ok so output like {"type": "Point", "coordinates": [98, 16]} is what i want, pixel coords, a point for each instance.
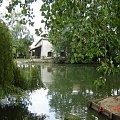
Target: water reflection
{"type": "Point", "coordinates": [67, 90]}
{"type": "Point", "coordinates": [40, 103]}
{"type": "Point", "coordinates": [18, 111]}
{"type": "Point", "coordinates": [71, 86]}
{"type": "Point", "coordinates": [14, 104]}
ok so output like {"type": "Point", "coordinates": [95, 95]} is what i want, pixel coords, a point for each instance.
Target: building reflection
{"type": "Point", "coordinates": [69, 89]}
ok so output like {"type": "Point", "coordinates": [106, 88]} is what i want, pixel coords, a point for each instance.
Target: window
{"type": "Point", "coordinates": [49, 54]}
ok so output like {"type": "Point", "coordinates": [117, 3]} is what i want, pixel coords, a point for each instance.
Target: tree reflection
{"type": "Point", "coordinates": [69, 78]}
{"type": "Point", "coordinates": [18, 112]}
{"type": "Point", "coordinates": [13, 105]}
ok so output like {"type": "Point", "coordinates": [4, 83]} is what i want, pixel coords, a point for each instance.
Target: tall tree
{"type": "Point", "coordinates": [6, 60]}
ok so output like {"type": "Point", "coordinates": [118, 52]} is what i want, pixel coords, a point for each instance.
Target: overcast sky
{"type": "Point", "coordinates": [37, 20]}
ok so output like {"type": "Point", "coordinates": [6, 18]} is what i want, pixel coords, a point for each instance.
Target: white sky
{"type": "Point", "coordinates": [37, 20]}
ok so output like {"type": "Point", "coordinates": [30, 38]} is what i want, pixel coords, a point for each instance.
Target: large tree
{"type": "Point", "coordinates": [88, 30]}
{"type": "Point", "coordinates": [6, 60]}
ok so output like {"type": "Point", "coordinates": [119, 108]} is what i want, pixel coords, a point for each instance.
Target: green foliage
{"type": "Point", "coordinates": [22, 39]}
{"type": "Point", "coordinates": [6, 60]}
{"type": "Point", "coordinates": [106, 69]}
{"type": "Point", "coordinates": [38, 31]}
{"type": "Point", "coordinates": [35, 78]}
{"type": "Point", "coordinates": [7, 90]}
{"type": "Point", "coordinates": [100, 82]}
{"type": "Point", "coordinates": [12, 79]}
{"type": "Point", "coordinates": [19, 78]}
{"type": "Point", "coordinates": [25, 8]}
{"type": "Point", "coordinates": [27, 78]}
{"type": "Point", "coordinates": [21, 47]}
{"type": "Point", "coordinates": [8, 71]}
{"type": "Point", "coordinates": [87, 30]}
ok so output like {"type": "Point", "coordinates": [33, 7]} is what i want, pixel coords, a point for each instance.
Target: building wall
{"type": "Point", "coordinates": [41, 49]}
{"type": "Point", "coordinates": [46, 47]}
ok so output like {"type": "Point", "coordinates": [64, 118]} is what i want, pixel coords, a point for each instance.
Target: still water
{"type": "Point", "coordinates": [67, 88]}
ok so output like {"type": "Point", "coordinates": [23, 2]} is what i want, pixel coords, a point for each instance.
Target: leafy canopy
{"type": "Point", "coordinates": [87, 30]}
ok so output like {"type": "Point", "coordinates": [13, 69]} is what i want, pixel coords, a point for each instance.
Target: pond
{"type": "Point", "coordinates": [67, 88]}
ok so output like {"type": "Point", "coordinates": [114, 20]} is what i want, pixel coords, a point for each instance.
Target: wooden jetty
{"type": "Point", "coordinates": [109, 106]}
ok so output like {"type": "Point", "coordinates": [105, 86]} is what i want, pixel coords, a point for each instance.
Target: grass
{"type": "Point", "coordinates": [22, 59]}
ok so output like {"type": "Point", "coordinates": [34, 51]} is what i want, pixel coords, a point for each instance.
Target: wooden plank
{"type": "Point", "coordinates": [95, 106]}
